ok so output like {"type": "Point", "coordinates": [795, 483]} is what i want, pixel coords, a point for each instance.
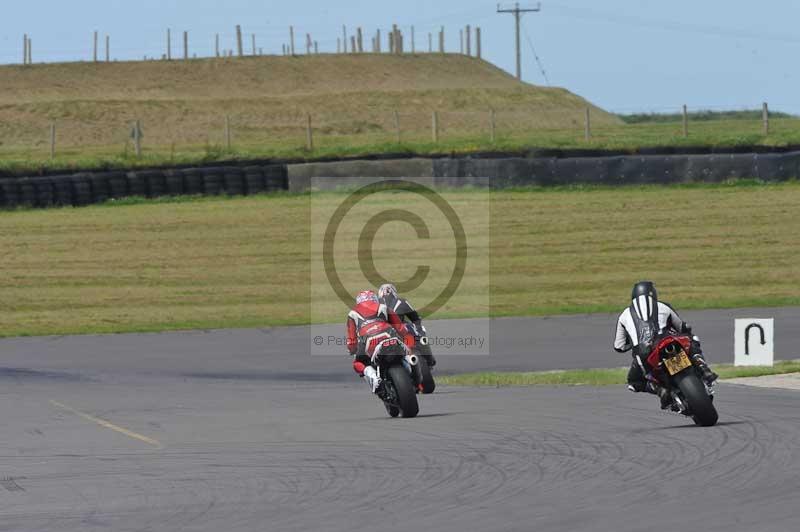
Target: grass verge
{"type": "Point", "coordinates": [211, 262]}
{"type": "Point", "coordinates": [597, 377]}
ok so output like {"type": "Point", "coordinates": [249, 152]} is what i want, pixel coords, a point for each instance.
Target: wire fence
{"type": "Point", "coordinates": [163, 132]}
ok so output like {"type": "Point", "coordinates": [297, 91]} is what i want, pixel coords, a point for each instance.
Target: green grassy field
{"type": "Point", "coordinates": [598, 377]}
{"type": "Point", "coordinates": [246, 261]}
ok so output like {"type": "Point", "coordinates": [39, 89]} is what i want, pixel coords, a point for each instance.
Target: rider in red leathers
{"type": "Point", "coordinates": [369, 308]}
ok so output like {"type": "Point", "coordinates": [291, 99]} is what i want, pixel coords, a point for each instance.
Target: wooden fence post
{"type": "Point", "coordinates": [25, 49]}
{"type": "Point", "coordinates": [441, 41]}
{"type": "Point", "coordinates": [413, 41]}
{"type": "Point", "coordinates": [309, 134]}
{"type": "Point", "coordinates": [239, 45]}
{"type": "Point", "coordinates": [308, 44]}
{"type": "Point", "coordinates": [435, 126]}
{"type": "Point", "coordinates": [108, 48]}
{"type": "Point", "coordinates": [397, 125]}
{"type": "Point", "coordinates": [94, 57]}
{"type": "Point", "coordinates": [378, 41]}
{"type": "Point", "coordinates": [360, 41]}
{"type": "Point", "coordinates": [169, 44]}
{"type": "Point", "coordinates": [53, 140]}
{"type": "Point", "coordinates": [765, 118]}
{"type": "Point", "coordinates": [30, 51]}
{"type": "Point", "coordinates": [216, 44]}
{"type": "Point", "coordinates": [391, 42]}
{"type": "Point", "coordinates": [478, 51]}
{"type": "Point", "coordinates": [185, 45]}
{"type": "Point", "coordinates": [493, 126]}
{"type": "Point", "coordinates": [228, 132]}
{"type": "Point", "coordinates": [291, 41]}
{"type": "Point", "coordinates": [469, 39]}
{"type": "Point", "coordinates": [587, 133]}
{"type": "Point", "coordinates": [685, 122]}
{"type": "Point", "coordinates": [137, 138]}
{"type": "Point", "coordinates": [430, 43]}
{"type": "Point", "coordinates": [255, 50]}
{"type": "Point", "coordinates": [352, 44]}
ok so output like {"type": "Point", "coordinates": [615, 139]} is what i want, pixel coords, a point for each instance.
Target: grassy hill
{"type": "Point", "coordinates": [352, 100]}
{"type": "Point", "coordinates": [267, 99]}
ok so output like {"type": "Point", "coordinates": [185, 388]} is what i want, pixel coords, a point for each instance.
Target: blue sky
{"type": "Point", "coordinates": [643, 55]}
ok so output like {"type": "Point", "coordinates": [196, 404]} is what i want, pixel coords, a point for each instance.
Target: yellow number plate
{"type": "Point", "coordinates": [677, 363]}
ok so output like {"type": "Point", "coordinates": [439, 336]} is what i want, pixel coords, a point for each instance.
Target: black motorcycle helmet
{"type": "Point", "coordinates": [644, 300]}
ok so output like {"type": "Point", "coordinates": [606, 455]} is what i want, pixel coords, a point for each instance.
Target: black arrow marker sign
{"type": "Point", "coordinates": [747, 336]}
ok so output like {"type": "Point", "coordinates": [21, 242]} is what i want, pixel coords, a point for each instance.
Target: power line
{"type": "Point", "coordinates": [538, 61]}
{"type": "Point", "coordinates": [518, 12]}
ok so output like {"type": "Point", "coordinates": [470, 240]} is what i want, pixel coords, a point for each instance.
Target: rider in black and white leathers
{"type": "Point", "coordinates": [638, 328]}
{"type": "Point", "coordinates": [389, 296]}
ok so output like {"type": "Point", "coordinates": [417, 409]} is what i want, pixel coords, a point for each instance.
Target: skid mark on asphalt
{"type": "Point", "coordinates": [109, 425]}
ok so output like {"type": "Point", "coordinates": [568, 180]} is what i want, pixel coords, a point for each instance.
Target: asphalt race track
{"type": "Point", "coordinates": [244, 430]}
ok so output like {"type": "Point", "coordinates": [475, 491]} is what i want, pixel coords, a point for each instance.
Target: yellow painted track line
{"type": "Point", "coordinates": [108, 425]}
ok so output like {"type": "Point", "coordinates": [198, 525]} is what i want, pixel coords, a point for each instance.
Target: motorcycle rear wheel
{"type": "Point", "coordinates": [406, 394]}
{"type": "Point", "coordinates": [393, 411]}
{"type": "Point", "coordinates": [694, 391]}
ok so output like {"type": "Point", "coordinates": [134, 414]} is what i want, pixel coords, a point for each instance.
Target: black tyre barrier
{"type": "Point", "coordinates": [192, 181]}
{"type": "Point", "coordinates": [44, 190]}
{"type": "Point", "coordinates": [137, 184]}
{"type": "Point", "coordinates": [81, 190]}
{"type": "Point", "coordinates": [118, 185]}
{"type": "Point", "coordinates": [101, 190]}
{"type": "Point", "coordinates": [154, 182]}
{"type": "Point", "coordinates": [254, 179]}
{"type": "Point", "coordinates": [9, 192]}
{"type": "Point", "coordinates": [234, 182]}
{"type": "Point", "coordinates": [85, 188]}
{"type": "Point", "coordinates": [27, 193]}
{"type": "Point", "coordinates": [213, 179]}
{"type": "Point", "coordinates": [62, 192]}
{"type": "Point", "coordinates": [173, 180]}
{"type": "Point", "coordinates": [276, 177]}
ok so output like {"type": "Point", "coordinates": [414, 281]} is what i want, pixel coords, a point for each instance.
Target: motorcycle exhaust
{"type": "Point", "coordinates": [412, 360]}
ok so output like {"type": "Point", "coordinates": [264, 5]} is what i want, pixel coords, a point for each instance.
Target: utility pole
{"type": "Point", "coordinates": [518, 12]}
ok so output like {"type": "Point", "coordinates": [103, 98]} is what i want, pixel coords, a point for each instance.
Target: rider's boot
{"type": "Point", "coordinates": [664, 394]}
{"type": "Point", "coordinates": [705, 372]}
{"type": "Point", "coordinates": [374, 381]}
